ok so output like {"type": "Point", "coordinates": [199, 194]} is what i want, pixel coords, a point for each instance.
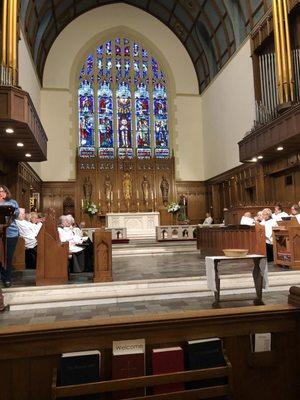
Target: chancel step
{"type": "Point", "coordinates": [138, 290]}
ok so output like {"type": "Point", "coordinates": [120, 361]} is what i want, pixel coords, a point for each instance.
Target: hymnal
{"type": "Point", "coordinates": [80, 367]}
{"type": "Point", "coordinates": [202, 354]}
{"type": "Point", "coordinates": [128, 361]}
{"type": "Point", "coordinates": [164, 361]}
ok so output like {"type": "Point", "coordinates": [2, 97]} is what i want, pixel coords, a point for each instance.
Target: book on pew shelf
{"type": "Point", "coordinates": [204, 354]}
{"type": "Point", "coordinates": [128, 361]}
{"type": "Point", "coordinates": [165, 361]}
{"type": "Point", "coordinates": [80, 367]}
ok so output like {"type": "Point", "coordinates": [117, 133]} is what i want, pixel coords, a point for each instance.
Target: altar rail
{"type": "Point", "coordinates": [176, 232]}
{"type": "Point", "coordinates": [29, 353]}
{"type": "Point", "coordinates": [214, 239]}
{"type": "Point", "coordinates": [116, 233]}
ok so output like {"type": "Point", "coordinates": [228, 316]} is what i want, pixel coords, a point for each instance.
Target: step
{"type": "Point", "coordinates": [139, 290]}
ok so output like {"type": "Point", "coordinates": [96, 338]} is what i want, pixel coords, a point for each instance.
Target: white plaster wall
{"type": "Point", "coordinates": [55, 111]}
{"type": "Point", "coordinates": [58, 110]}
{"type": "Point", "coordinates": [228, 112]}
{"type": "Point", "coordinates": [188, 138]}
{"type": "Point", "coordinates": [28, 80]}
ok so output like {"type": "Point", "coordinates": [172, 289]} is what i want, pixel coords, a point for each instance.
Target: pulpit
{"type": "Point", "coordinates": [286, 243]}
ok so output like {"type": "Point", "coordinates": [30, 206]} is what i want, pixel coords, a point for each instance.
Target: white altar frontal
{"type": "Point", "coordinates": [138, 224]}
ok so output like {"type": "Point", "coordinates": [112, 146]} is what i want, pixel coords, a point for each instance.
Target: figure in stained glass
{"type": "Point", "coordinates": [130, 86]}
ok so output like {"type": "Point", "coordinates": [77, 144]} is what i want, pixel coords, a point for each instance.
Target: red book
{"type": "Point", "coordinates": [128, 361]}
{"type": "Point", "coordinates": [165, 361]}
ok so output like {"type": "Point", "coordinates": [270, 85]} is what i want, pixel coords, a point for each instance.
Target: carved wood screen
{"type": "Point", "coordinates": [124, 185]}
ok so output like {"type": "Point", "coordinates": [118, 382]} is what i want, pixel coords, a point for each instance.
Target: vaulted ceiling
{"type": "Point", "coordinates": [211, 30]}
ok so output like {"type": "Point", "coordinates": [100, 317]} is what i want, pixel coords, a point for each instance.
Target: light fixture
{"type": "Point", "coordinates": [20, 144]}
{"type": "Point", "coordinates": [28, 155]}
{"type": "Point", "coordinates": [279, 148]}
{"type": "Point", "coordinates": [9, 130]}
{"type": "Point", "coordinates": [260, 157]}
{"type": "Point", "coordinates": [254, 159]}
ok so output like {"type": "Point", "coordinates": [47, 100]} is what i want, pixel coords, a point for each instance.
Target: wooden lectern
{"type": "Point", "coordinates": [286, 243]}
{"type": "Point", "coordinates": [102, 243]}
{"type": "Point", "coordinates": [52, 255]}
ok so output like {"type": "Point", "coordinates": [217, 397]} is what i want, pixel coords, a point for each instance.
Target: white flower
{"type": "Point", "coordinates": [173, 208]}
{"type": "Point", "coordinates": [91, 209]}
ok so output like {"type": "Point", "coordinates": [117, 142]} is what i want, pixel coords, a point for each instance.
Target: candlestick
{"type": "Point", "coordinates": [99, 195]}
{"type": "Point", "coordinates": [118, 194]}
{"type": "Point", "coordinates": [152, 196]}
{"type": "Point", "coordinates": [82, 203]}
{"type": "Point", "coordinates": [137, 194]}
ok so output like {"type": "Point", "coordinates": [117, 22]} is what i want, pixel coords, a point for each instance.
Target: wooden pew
{"type": "Point", "coordinates": [102, 243]}
{"type": "Point", "coordinates": [286, 244]}
{"type": "Point", "coordinates": [212, 240]}
{"type": "Point", "coordinates": [29, 353]}
{"type": "Point", "coordinates": [52, 255]}
{"type": "Point", "coordinates": [19, 255]}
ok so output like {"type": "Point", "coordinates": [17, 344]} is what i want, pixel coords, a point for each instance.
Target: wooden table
{"type": "Point", "coordinates": [260, 275]}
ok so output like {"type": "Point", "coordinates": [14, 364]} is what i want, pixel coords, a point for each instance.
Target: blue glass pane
{"type": "Point", "coordinates": [160, 116]}
{"type": "Point", "coordinates": [105, 116]}
{"type": "Point", "coordinates": [142, 111]}
{"type": "Point", "coordinates": [86, 114]}
{"type": "Point", "coordinates": [124, 115]}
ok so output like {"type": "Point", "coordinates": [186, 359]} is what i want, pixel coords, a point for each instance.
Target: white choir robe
{"type": "Point", "coordinates": [247, 221]}
{"type": "Point", "coordinates": [269, 224]}
{"type": "Point", "coordinates": [28, 232]}
{"type": "Point", "coordinates": [278, 217]}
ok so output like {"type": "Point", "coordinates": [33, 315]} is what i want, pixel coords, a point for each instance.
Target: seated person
{"type": "Point", "coordinates": [85, 242]}
{"type": "Point", "coordinates": [66, 234]}
{"type": "Point", "coordinates": [268, 223]}
{"type": "Point", "coordinates": [208, 219]}
{"type": "Point", "coordinates": [279, 213]}
{"type": "Point", "coordinates": [295, 212]}
{"type": "Point", "coordinates": [247, 219]}
{"type": "Point", "coordinates": [258, 217]}
{"type": "Point", "coordinates": [29, 232]}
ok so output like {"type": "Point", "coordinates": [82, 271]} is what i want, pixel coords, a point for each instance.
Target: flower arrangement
{"type": "Point", "coordinates": [90, 208]}
{"type": "Point", "coordinates": [173, 208]}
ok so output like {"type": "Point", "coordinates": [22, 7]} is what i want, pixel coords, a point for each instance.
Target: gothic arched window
{"type": "Point", "coordinates": [123, 103]}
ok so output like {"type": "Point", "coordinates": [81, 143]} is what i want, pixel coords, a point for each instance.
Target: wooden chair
{"type": "Point", "coordinates": [52, 255]}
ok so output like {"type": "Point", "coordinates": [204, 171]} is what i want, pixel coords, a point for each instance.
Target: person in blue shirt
{"type": "Point", "coordinates": [12, 234]}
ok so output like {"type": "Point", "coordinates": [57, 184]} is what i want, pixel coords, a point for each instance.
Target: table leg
{"type": "Point", "coordinates": [216, 303]}
{"type": "Point", "coordinates": [258, 282]}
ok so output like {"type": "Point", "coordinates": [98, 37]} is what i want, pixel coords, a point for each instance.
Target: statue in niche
{"type": "Point", "coordinates": [127, 188]}
{"type": "Point", "coordinates": [87, 189]}
{"type": "Point", "coordinates": [145, 189]}
{"type": "Point", "coordinates": [108, 189]}
{"type": "Point", "coordinates": [164, 187]}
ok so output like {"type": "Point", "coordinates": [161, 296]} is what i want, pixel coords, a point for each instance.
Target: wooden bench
{"type": "Point", "coordinates": [52, 255]}
{"type": "Point", "coordinates": [212, 240]}
{"type": "Point", "coordinates": [19, 255]}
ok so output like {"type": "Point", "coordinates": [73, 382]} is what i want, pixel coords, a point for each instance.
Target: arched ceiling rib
{"type": "Point", "coordinates": [211, 30]}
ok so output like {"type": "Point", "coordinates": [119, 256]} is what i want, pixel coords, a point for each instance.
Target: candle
{"type": "Point", "coordinates": [111, 196]}
{"type": "Point", "coordinates": [81, 203]}
{"type": "Point", "coordinates": [137, 194]}
{"type": "Point", "coordinates": [118, 194]}
{"type": "Point", "coordinates": [99, 195]}
{"type": "Point", "coordinates": [152, 197]}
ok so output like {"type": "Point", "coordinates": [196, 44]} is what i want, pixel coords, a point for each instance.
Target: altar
{"type": "Point", "coordinates": [138, 224]}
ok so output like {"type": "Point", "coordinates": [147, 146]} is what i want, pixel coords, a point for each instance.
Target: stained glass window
{"type": "Point", "coordinates": [123, 103]}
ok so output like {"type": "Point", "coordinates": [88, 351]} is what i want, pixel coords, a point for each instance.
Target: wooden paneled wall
{"type": "Point", "coordinates": [195, 192]}
{"type": "Point", "coordinates": [60, 196]}
{"type": "Point", "coordinates": [21, 180]}
{"type": "Point", "coordinates": [256, 184]}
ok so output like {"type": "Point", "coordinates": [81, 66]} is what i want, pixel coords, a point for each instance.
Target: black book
{"type": "Point", "coordinates": [203, 354]}
{"type": "Point", "coordinates": [80, 367]}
